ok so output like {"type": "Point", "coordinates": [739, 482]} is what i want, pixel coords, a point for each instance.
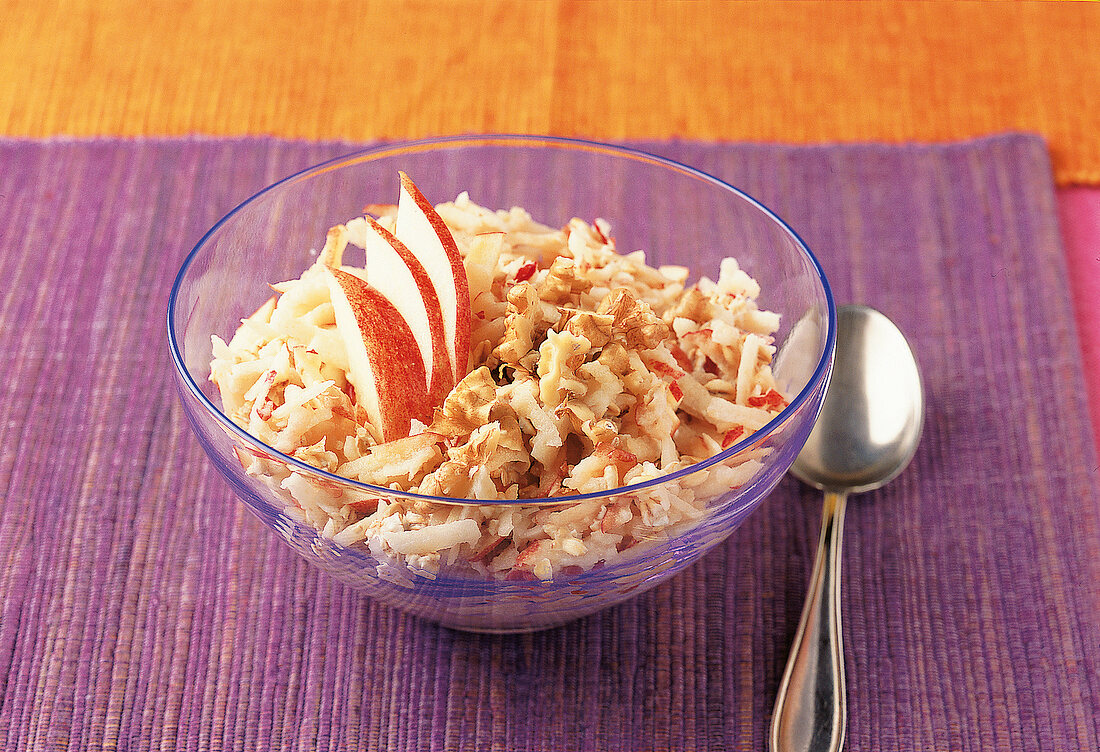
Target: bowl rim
{"type": "Point", "coordinates": [388, 149]}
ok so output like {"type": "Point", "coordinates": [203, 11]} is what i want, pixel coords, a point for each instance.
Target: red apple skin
{"type": "Point", "coordinates": [442, 377]}
{"type": "Point", "coordinates": [458, 269]}
{"type": "Point", "coordinates": [394, 357]}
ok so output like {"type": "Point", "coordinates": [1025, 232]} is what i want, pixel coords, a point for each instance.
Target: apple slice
{"type": "Point", "coordinates": [384, 362]}
{"type": "Point", "coordinates": [396, 273]}
{"type": "Point", "coordinates": [424, 233]}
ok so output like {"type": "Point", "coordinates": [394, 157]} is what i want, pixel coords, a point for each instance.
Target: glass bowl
{"type": "Point", "coordinates": [677, 214]}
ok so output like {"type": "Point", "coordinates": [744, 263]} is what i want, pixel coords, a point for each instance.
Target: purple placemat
{"type": "Point", "coordinates": [141, 607]}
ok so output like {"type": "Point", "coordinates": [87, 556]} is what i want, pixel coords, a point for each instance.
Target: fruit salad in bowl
{"type": "Point", "coordinates": [492, 419]}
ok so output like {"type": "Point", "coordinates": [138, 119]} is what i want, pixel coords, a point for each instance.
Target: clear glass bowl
{"type": "Point", "coordinates": [675, 213]}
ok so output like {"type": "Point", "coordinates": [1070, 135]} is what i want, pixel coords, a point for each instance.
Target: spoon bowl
{"type": "Point", "coordinates": [873, 415]}
{"type": "Point", "coordinates": [867, 433]}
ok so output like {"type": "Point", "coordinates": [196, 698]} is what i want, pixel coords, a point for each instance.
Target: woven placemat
{"type": "Point", "coordinates": [142, 607]}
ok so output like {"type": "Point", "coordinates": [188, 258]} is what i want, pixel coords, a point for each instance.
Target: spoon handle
{"type": "Point", "coordinates": [811, 710]}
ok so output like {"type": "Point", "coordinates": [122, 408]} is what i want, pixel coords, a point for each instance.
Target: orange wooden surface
{"type": "Point", "coordinates": [796, 72]}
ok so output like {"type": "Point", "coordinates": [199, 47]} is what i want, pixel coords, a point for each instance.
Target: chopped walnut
{"type": "Point", "coordinates": [560, 355]}
{"type": "Point", "coordinates": [468, 405]}
{"type": "Point", "coordinates": [693, 305]}
{"type": "Point", "coordinates": [562, 284]}
{"type": "Point", "coordinates": [519, 324]}
{"type": "Point", "coordinates": [594, 327]}
{"type": "Point", "coordinates": [634, 320]}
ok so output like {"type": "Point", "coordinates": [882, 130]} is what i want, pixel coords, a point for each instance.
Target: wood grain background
{"type": "Point", "coordinates": [758, 71]}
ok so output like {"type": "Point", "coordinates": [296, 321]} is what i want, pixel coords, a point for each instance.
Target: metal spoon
{"type": "Point", "coordinates": [868, 430]}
